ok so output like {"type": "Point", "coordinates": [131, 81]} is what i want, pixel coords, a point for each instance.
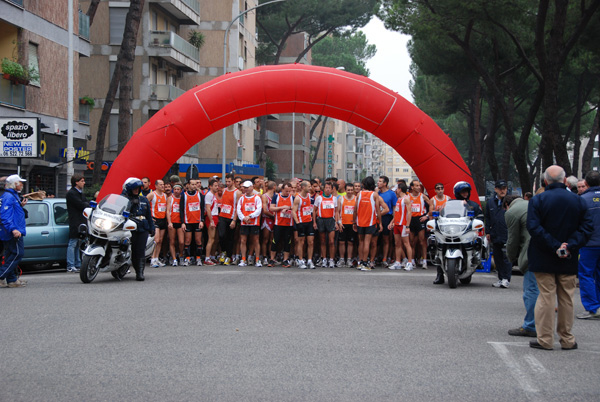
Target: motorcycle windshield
{"type": "Point", "coordinates": [114, 204]}
{"type": "Point", "coordinates": [454, 209]}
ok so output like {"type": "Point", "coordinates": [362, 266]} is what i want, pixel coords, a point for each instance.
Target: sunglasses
{"type": "Point", "coordinates": [439, 188]}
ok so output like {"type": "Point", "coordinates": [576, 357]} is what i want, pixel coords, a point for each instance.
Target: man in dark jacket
{"type": "Point", "coordinates": [589, 258]}
{"type": "Point", "coordinates": [497, 234]}
{"type": "Point", "coordinates": [76, 203]}
{"type": "Point", "coordinates": [559, 225]}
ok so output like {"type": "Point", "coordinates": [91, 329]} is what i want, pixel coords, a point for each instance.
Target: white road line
{"type": "Point", "coordinates": [516, 371]}
{"type": "Point", "coordinates": [535, 364]}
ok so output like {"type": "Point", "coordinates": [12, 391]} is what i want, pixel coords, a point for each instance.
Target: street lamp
{"type": "Point", "coordinates": [225, 68]}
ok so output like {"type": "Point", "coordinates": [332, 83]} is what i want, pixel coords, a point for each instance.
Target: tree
{"type": "Point", "coordinates": [348, 50]}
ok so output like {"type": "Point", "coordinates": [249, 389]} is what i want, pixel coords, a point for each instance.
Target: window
{"type": "Point", "coordinates": [117, 17]}
{"type": "Point", "coordinates": [34, 63]}
{"type": "Point", "coordinates": [405, 170]}
{"type": "Point", "coordinates": [37, 214]}
{"type": "Point", "coordinates": [61, 217]}
{"type": "Point", "coordinates": [153, 74]}
{"type": "Point", "coordinates": [397, 170]}
{"type": "Point", "coordinates": [113, 135]}
{"type": "Point", "coordinates": [154, 22]}
{"type": "Point", "coordinates": [112, 66]}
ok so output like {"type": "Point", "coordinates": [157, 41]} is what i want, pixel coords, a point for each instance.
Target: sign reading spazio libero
{"type": "Point", "coordinates": [19, 137]}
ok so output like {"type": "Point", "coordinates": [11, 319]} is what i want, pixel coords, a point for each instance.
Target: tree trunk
{"type": "Point", "coordinates": [262, 136]}
{"type": "Point", "coordinates": [92, 10]}
{"type": "Point", "coordinates": [490, 140]}
{"type": "Point", "coordinates": [588, 152]}
{"type": "Point", "coordinates": [125, 57]}
{"type": "Point", "coordinates": [314, 158]}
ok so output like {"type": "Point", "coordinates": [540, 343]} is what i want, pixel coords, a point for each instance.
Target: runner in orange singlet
{"type": "Point", "coordinates": [158, 204]}
{"type": "Point", "coordinates": [302, 213]}
{"type": "Point", "coordinates": [227, 219]}
{"type": "Point", "coordinates": [345, 225]}
{"type": "Point", "coordinates": [367, 218]}
{"type": "Point", "coordinates": [249, 210]}
{"type": "Point", "coordinates": [268, 220]}
{"type": "Point", "coordinates": [400, 225]}
{"type": "Point", "coordinates": [281, 206]}
{"type": "Point", "coordinates": [211, 205]}
{"type": "Point", "coordinates": [192, 210]}
{"type": "Point", "coordinates": [324, 213]}
{"type": "Point", "coordinates": [419, 219]}
{"type": "Point", "coordinates": [174, 224]}
{"type": "Point", "coordinates": [439, 201]}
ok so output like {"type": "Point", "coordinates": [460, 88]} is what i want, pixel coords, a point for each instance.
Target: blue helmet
{"type": "Point", "coordinates": [131, 184]}
{"type": "Point", "coordinates": [459, 187]}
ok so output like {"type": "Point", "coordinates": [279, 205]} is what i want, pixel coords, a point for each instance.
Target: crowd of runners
{"type": "Point", "coordinates": [295, 223]}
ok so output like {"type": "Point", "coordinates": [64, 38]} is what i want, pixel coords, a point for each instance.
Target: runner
{"type": "Point", "coordinates": [249, 210]}
{"type": "Point", "coordinates": [439, 201]}
{"type": "Point", "coordinates": [324, 213]}
{"type": "Point", "coordinates": [281, 206]}
{"type": "Point", "coordinates": [347, 204]}
{"type": "Point", "coordinates": [211, 204]}
{"type": "Point", "coordinates": [192, 210]}
{"type": "Point", "coordinates": [400, 226]}
{"type": "Point", "coordinates": [419, 220]}
{"type": "Point", "coordinates": [369, 208]}
{"type": "Point", "coordinates": [158, 203]}
{"type": "Point", "coordinates": [174, 224]}
{"type": "Point", "coordinates": [227, 220]}
{"type": "Point", "coordinates": [145, 187]}
{"type": "Point", "coordinates": [390, 199]}
{"type": "Point", "coordinates": [268, 221]}
{"type": "Point", "coordinates": [303, 213]}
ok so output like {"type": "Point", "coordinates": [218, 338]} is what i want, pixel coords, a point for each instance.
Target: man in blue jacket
{"type": "Point", "coordinates": [12, 231]}
{"type": "Point", "coordinates": [559, 225]}
{"type": "Point", "coordinates": [589, 256]}
{"type": "Point", "coordinates": [497, 234]}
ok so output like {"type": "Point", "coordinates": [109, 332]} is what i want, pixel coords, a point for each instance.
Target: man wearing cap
{"type": "Point", "coordinates": [249, 210]}
{"type": "Point", "coordinates": [12, 231]}
{"type": "Point", "coordinates": [76, 203]}
{"type": "Point", "coordinates": [497, 233]}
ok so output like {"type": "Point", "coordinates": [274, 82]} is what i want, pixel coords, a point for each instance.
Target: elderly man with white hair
{"type": "Point", "coordinates": [12, 231]}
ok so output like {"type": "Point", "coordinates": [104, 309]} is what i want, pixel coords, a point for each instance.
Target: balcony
{"type": "Point", "coordinates": [187, 12]}
{"type": "Point", "coordinates": [84, 26]}
{"type": "Point", "coordinates": [174, 49]}
{"type": "Point", "coordinates": [17, 2]}
{"type": "Point", "coordinates": [165, 92]}
{"type": "Point", "coordinates": [84, 113]}
{"type": "Point", "coordinates": [11, 94]}
{"type": "Point", "coordinates": [271, 140]}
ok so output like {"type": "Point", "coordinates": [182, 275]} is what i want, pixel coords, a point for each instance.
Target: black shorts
{"type": "Point", "coordinates": [416, 225]}
{"type": "Point", "coordinates": [249, 230]}
{"type": "Point", "coordinates": [305, 229]}
{"type": "Point", "coordinates": [385, 220]}
{"type": "Point", "coordinates": [176, 225]}
{"type": "Point", "coordinates": [192, 227]}
{"type": "Point", "coordinates": [325, 225]}
{"type": "Point", "coordinates": [161, 223]}
{"type": "Point", "coordinates": [368, 230]}
{"type": "Point", "coordinates": [282, 235]}
{"type": "Point", "coordinates": [348, 234]}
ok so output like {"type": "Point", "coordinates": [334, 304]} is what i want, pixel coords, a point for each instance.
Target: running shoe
{"type": "Point", "coordinates": [301, 264]}
{"type": "Point", "coordinates": [310, 264]}
{"type": "Point", "coordinates": [209, 262]}
{"type": "Point", "coordinates": [258, 263]}
{"type": "Point", "coordinates": [340, 263]}
{"type": "Point", "coordinates": [242, 264]}
{"type": "Point", "coordinates": [227, 261]}
{"type": "Point", "coordinates": [409, 266]}
{"type": "Point", "coordinates": [331, 263]}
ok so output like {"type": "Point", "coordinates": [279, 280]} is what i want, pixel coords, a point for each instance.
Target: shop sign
{"type": "Point", "coordinates": [19, 137]}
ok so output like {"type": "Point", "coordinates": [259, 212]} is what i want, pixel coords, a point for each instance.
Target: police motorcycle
{"type": "Point", "coordinates": [108, 235]}
{"type": "Point", "coordinates": [457, 243]}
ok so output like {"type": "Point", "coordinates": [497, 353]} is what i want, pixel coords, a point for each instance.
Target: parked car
{"type": "Point", "coordinates": [47, 234]}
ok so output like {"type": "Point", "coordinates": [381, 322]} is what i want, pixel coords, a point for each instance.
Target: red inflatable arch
{"type": "Point", "coordinates": [231, 98]}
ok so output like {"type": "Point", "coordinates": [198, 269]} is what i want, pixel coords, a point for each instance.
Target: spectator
{"type": "Point", "coordinates": [516, 250]}
{"type": "Point", "coordinates": [495, 227]}
{"type": "Point", "coordinates": [559, 226]}
{"type": "Point", "coordinates": [582, 186]}
{"type": "Point", "coordinates": [50, 194]}
{"type": "Point", "coordinates": [527, 196]}
{"type": "Point", "coordinates": [572, 184]}
{"type": "Point", "coordinates": [12, 231]}
{"type": "Point", "coordinates": [589, 259]}
{"type": "Point", "coordinates": [76, 203]}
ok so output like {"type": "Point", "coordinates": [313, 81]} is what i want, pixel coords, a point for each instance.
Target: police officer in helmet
{"type": "Point", "coordinates": [140, 213]}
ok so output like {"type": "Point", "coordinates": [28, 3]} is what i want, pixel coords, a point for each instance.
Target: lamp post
{"type": "Point", "coordinates": [225, 70]}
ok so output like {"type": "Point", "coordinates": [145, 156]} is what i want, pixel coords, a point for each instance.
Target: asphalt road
{"type": "Point", "coordinates": [276, 334]}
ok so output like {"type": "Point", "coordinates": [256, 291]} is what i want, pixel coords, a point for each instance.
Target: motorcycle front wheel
{"type": "Point", "coordinates": [451, 271]}
{"type": "Point", "coordinates": [89, 268]}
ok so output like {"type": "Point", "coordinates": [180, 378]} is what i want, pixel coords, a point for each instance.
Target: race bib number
{"type": "Point", "coordinates": [416, 208]}
{"type": "Point", "coordinates": [348, 209]}
{"type": "Point", "coordinates": [194, 206]}
{"type": "Point", "coordinates": [226, 209]}
{"type": "Point", "coordinates": [162, 207]}
{"type": "Point", "coordinates": [175, 207]}
{"type": "Point", "coordinates": [250, 207]}
{"type": "Point", "coordinates": [397, 208]}
{"type": "Point", "coordinates": [307, 211]}
{"type": "Point", "coordinates": [286, 214]}
{"type": "Point", "coordinates": [328, 205]}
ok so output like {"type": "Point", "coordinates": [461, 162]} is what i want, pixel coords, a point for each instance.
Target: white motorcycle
{"type": "Point", "coordinates": [457, 243]}
{"type": "Point", "coordinates": [108, 247]}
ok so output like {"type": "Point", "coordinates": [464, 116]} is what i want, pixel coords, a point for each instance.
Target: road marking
{"type": "Point", "coordinates": [535, 364]}
{"type": "Point", "coordinates": [516, 371]}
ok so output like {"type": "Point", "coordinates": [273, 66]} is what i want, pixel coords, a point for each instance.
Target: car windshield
{"type": "Point", "coordinates": [454, 209]}
{"type": "Point", "coordinates": [114, 204]}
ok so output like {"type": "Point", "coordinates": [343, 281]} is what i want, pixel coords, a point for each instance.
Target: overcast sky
{"type": "Point", "coordinates": [390, 66]}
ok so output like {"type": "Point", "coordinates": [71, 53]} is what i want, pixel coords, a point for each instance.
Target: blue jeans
{"type": "Point", "coordinates": [14, 250]}
{"type": "Point", "coordinates": [530, 295]}
{"type": "Point", "coordinates": [589, 278]}
{"type": "Point", "coordinates": [73, 254]}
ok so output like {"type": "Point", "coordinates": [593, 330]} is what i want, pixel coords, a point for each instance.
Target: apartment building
{"type": "Point", "coordinates": [34, 35]}
{"type": "Point", "coordinates": [394, 166]}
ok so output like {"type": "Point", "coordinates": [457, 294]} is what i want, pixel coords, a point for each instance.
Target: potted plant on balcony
{"type": "Point", "coordinates": [86, 100]}
{"type": "Point", "coordinates": [196, 39]}
{"type": "Point", "coordinates": [18, 74]}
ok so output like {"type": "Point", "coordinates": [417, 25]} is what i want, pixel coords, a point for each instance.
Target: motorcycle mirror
{"type": "Point", "coordinates": [471, 213]}
{"type": "Point", "coordinates": [93, 204]}
{"type": "Point", "coordinates": [431, 225]}
{"type": "Point", "coordinates": [435, 214]}
{"type": "Point", "coordinates": [126, 214]}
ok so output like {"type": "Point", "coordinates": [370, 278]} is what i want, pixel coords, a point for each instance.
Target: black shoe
{"type": "Point", "coordinates": [522, 332]}
{"type": "Point", "coordinates": [439, 279]}
{"type": "Point", "coordinates": [536, 345]}
{"type": "Point", "coordinates": [139, 273]}
{"type": "Point", "coordinates": [571, 348]}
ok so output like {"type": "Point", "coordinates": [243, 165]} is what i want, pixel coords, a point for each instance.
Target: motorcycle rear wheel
{"type": "Point", "coordinates": [89, 268]}
{"type": "Point", "coordinates": [451, 271]}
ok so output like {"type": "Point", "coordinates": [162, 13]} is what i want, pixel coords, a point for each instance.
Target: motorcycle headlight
{"type": "Point", "coordinates": [452, 229]}
{"type": "Point", "coordinates": [105, 224]}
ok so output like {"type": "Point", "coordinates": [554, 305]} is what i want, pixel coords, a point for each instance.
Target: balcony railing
{"type": "Point", "coordinates": [271, 136]}
{"type": "Point", "coordinates": [11, 94]}
{"type": "Point", "coordinates": [193, 4]}
{"type": "Point", "coordinates": [17, 2]}
{"type": "Point", "coordinates": [165, 92]}
{"type": "Point", "coordinates": [84, 113]}
{"type": "Point", "coordinates": [84, 25]}
{"type": "Point", "coordinates": [172, 40]}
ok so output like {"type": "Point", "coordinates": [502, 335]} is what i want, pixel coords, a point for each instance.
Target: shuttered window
{"type": "Point", "coordinates": [117, 24]}
{"type": "Point", "coordinates": [34, 64]}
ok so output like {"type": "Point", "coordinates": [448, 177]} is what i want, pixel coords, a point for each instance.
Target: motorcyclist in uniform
{"type": "Point", "coordinates": [140, 213]}
{"type": "Point", "coordinates": [462, 191]}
